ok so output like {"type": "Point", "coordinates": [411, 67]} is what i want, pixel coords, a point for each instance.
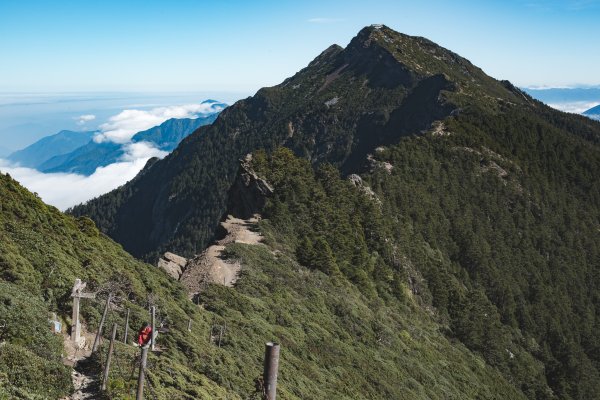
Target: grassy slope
{"type": "Point", "coordinates": [331, 334]}
{"type": "Point", "coordinates": [42, 251]}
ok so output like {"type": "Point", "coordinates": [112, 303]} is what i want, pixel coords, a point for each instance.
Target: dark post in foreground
{"type": "Point", "coordinates": [97, 340]}
{"type": "Point", "coordinates": [140, 388]}
{"type": "Point", "coordinates": [126, 327]}
{"type": "Point", "coordinates": [153, 333]}
{"type": "Point", "coordinates": [270, 371]}
{"type": "Point", "coordinates": [111, 347]}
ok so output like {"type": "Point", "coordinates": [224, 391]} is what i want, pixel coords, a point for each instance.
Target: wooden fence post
{"type": "Point", "coordinates": [97, 340]}
{"type": "Point", "coordinates": [126, 327]}
{"type": "Point", "coordinates": [220, 335]}
{"type": "Point", "coordinates": [109, 357]}
{"type": "Point", "coordinates": [153, 334]}
{"type": "Point", "coordinates": [143, 361]}
{"type": "Point", "coordinates": [270, 370]}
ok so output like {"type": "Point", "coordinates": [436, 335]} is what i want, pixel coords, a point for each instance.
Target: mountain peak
{"type": "Point", "coordinates": [383, 86]}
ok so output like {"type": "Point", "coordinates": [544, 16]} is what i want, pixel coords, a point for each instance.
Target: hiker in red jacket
{"type": "Point", "coordinates": [145, 334]}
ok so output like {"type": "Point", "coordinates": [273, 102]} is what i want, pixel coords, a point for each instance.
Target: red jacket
{"type": "Point", "coordinates": [144, 336]}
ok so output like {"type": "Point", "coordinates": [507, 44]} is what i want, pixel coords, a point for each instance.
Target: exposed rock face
{"type": "Point", "coordinates": [249, 192]}
{"type": "Point", "coordinates": [357, 181]}
{"type": "Point", "coordinates": [247, 197]}
{"type": "Point", "coordinates": [172, 264]}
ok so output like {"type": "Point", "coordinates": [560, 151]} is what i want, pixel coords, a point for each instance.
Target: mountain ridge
{"type": "Point", "coordinates": [87, 158]}
{"type": "Point", "coordinates": [44, 149]}
{"type": "Point", "coordinates": [488, 200]}
{"type": "Point", "coordinates": [298, 123]}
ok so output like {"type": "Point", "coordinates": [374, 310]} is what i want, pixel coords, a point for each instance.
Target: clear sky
{"type": "Point", "coordinates": [59, 45]}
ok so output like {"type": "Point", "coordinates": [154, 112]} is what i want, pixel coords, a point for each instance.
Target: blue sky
{"type": "Point", "coordinates": [227, 45]}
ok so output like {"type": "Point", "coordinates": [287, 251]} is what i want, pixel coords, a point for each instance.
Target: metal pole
{"type": "Point", "coordinates": [220, 335]}
{"type": "Point", "coordinates": [111, 347]}
{"type": "Point", "coordinates": [153, 334]}
{"type": "Point", "coordinates": [126, 327]}
{"type": "Point", "coordinates": [140, 389]}
{"type": "Point", "coordinates": [271, 369]}
{"type": "Point", "coordinates": [190, 325]}
{"type": "Point", "coordinates": [97, 340]}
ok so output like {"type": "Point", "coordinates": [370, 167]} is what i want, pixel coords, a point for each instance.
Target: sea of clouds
{"type": "Point", "coordinates": [65, 190]}
{"type": "Point", "coordinates": [576, 107]}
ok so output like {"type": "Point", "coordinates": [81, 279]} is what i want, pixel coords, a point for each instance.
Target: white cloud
{"type": "Point", "coordinates": [145, 150]}
{"type": "Point", "coordinates": [322, 20]}
{"type": "Point", "coordinates": [546, 87]}
{"type": "Point", "coordinates": [576, 107]}
{"type": "Point", "coordinates": [66, 190]}
{"type": "Point", "coordinates": [121, 127]}
{"type": "Point", "coordinates": [82, 119]}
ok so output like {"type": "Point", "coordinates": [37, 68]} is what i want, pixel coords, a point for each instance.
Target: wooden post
{"type": "Point", "coordinates": [76, 328]}
{"type": "Point", "coordinates": [140, 389]}
{"type": "Point", "coordinates": [97, 340]}
{"type": "Point", "coordinates": [111, 347]}
{"type": "Point", "coordinates": [270, 369]}
{"type": "Point", "coordinates": [77, 294]}
{"type": "Point", "coordinates": [153, 334]}
{"type": "Point", "coordinates": [126, 327]}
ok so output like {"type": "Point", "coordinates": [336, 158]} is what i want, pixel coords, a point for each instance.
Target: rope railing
{"type": "Point", "coordinates": [117, 381]}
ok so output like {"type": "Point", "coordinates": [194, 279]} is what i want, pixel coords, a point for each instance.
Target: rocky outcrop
{"type": "Point", "coordinates": [357, 181]}
{"type": "Point", "coordinates": [249, 192]}
{"type": "Point", "coordinates": [172, 264]}
{"type": "Point", "coordinates": [210, 266]}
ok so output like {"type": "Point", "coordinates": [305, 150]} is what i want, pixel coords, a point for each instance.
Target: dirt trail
{"type": "Point", "coordinates": [85, 382]}
{"type": "Point", "coordinates": [210, 267]}
{"type": "Point", "coordinates": [85, 379]}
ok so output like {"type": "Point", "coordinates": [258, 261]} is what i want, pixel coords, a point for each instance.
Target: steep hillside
{"type": "Point", "coordinates": [337, 341]}
{"type": "Point", "coordinates": [512, 204]}
{"type": "Point", "coordinates": [42, 252]}
{"type": "Point", "coordinates": [50, 146]}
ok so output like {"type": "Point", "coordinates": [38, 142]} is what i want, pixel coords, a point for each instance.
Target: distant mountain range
{"type": "Point", "coordinates": [564, 95]}
{"type": "Point", "coordinates": [78, 152]}
{"type": "Point", "coordinates": [573, 100]}
{"type": "Point", "coordinates": [593, 112]}
{"type": "Point", "coordinates": [86, 159]}
{"type": "Point", "coordinates": [44, 149]}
